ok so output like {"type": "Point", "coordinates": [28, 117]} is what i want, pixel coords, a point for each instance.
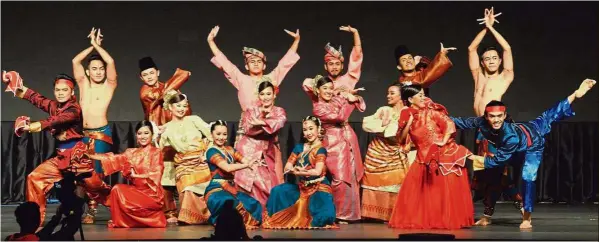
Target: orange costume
{"type": "Point", "coordinates": [139, 204]}
{"type": "Point", "coordinates": [64, 123]}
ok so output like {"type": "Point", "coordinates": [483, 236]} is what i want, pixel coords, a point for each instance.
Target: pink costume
{"type": "Point", "coordinates": [261, 142]}
{"type": "Point", "coordinates": [344, 160]}
{"type": "Point", "coordinates": [346, 82]}
{"type": "Point", "coordinates": [245, 84]}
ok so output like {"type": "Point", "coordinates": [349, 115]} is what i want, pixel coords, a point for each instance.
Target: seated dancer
{"type": "Point", "coordinates": [64, 124]}
{"type": "Point", "coordinates": [140, 204]}
{"type": "Point", "coordinates": [261, 141]}
{"type": "Point", "coordinates": [189, 136]}
{"type": "Point", "coordinates": [436, 193]}
{"type": "Point", "coordinates": [344, 160]}
{"type": "Point", "coordinates": [308, 204]}
{"type": "Point", "coordinates": [333, 65]}
{"type": "Point", "coordinates": [97, 83]}
{"type": "Point", "coordinates": [511, 138]}
{"type": "Point", "coordinates": [255, 64]}
{"type": "Point", "coordinates": [387, 161]}
{"type": "Point", "coordinates": [152, 100]}
{"type": "Point", "coordinates": [224, 161]}
{"type": "Point", "coordinates": [493, 74]}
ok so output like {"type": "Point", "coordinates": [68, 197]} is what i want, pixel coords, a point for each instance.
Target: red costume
{"type": "Point", "coordinates": [435, 193]}
{"type": "Point", "coordinates": [139, 204]}
{"type": "Point", "coordinates": [65, 125]}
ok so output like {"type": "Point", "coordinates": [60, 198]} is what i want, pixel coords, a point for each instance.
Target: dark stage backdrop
{"type": "Point", "coordinates": [568, 173]}
{"type": "Point", "coordinates": [554, 45]}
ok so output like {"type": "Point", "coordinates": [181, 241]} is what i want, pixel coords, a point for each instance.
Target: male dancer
{"type": "Point", "coordinates": [407, 65]}
{"type": "Point", "coordinates": [151, 95]}
{"type": "Point", "coordinates": [255, 64]}
{"type": "Point", "coordinates": [96, 85]}
{"type": "Point", "coordinates": [64, 124]}
{"type": "Point", "coordinates": [512, 138]}
{"type": "Point", "coordinates": [490, 84]}
{"type": "Point", "coordinates": [334, 63]}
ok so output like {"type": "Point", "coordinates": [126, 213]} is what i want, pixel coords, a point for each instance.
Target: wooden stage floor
{"type": "Point", "coordinates": [550, 221]}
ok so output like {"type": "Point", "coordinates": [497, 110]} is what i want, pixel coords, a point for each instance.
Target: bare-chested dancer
{"type": "Point", "coordinates": [97, 83]}
{"type": "Point", "coordinates": [490, 83]}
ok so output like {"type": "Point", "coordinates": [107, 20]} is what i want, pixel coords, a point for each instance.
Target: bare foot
{"type": "Point", "coordinates": [585, 86]}
{"type": "Point", "coordinates": [526, 224]}
{"type": "Point", "coordinates": [483, 221]}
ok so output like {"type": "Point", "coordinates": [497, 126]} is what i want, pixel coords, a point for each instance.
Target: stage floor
{"type": "Point", "coordinates": [550, 221]}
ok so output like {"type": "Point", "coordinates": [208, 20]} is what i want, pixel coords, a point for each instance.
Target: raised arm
{"type": "Point", "coordinates": [437, 68]}
{"type": "Point", "coordinates": [232, 73]}
{"type": "Point", "coordinates": [78, 70]}
{"type": "Point", "coordinates": [473, 58]}
{"type": "Point", "coordinates": [111, 75]}
{"type": "Point", "coordinates": [308, 87]}
{"type": "Point", "coordinates": [177, 80]}
{"type": "Point", "coordinates": [288, 61]}
{"type": "Point", "coordinates": [354, 68]}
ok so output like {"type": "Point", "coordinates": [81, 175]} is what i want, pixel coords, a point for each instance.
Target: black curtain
{"type": "Point", "coordinates": [568, 172]}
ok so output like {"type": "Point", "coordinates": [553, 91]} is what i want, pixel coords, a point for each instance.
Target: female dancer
{"type": "Point", "coordinates": [344, 160]}
{"type": "Point", "coordinates": [189, 136]}
{"type": "Point", "coordinates": [224, 161]}
{"type": "Point", "coordinates": [139, 204]}
{"type": "Point", "coordinates": [387, 161]}
{"type": "Point", "coordinates": [309, 204]}
{"type": "Point", "coordinates": [261, 125]}
{"type": "Point", "coordinates": [435, 193]}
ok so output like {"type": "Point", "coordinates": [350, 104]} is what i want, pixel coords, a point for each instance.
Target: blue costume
{"type": "Point", "coordinates": [306, 205]}
{"type": "Point", "coordinates": [512, 138]}
{"type": "Point", "coordinates": [222, 188]}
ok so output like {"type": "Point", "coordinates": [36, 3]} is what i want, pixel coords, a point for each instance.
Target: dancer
{"type": "Point", "coordinates": [255, 64]}
{"type": "Point", "coordinates": [309, 204]}
{"type": "Point", "coordinates": [333, 65]}
{"type": "Point", "coordinates": [344, 160]}
{"type": "Point", "coordinates": [260, 140]}
{"type": "Point", "coordinates": [407, 65]}
{"type": "Point", "coordinates": [189, 136]}
{"type": "Point", "coordinates": [64, 124]}
{"type": "Point", "coordinates": [435, 194]}
{"type": "Point", "coordinates": [224, 161]}
{"type": "Point", "coordinates": [490, 83]}
{"type": "Point", "coordinates": [387, 162]}
{"type": "Point", "coordinates": [140, 204]}
{"type": "Point", "coordinates": [152, 100]}
{"type": "Point", "coordinates": [96, 85]}
{"type": "Point", "coordinates": [512, 138]}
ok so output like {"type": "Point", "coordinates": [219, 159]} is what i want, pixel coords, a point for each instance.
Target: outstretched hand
{"type": "Point", "coordinates": [445, 50]}
{"type": "Point", "coordinates": [585, 86]}
{"type": "Point", "coordinates": [213, 33]}
{"type": "Point", "coordinates": [348, 29]}
{"type": "Point", "coordinates": [295, 35]}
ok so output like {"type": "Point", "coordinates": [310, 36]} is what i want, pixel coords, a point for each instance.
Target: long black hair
{"type": "Point", "coordinates": [145, 123]}
{"type": "Point", "coordinates": [408, 91]}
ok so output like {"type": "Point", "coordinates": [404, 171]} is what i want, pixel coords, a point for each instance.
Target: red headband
{"type": "Point", "coordinates": [68, 82]}
{"type": "Point", "coordinates": [495, 109]}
